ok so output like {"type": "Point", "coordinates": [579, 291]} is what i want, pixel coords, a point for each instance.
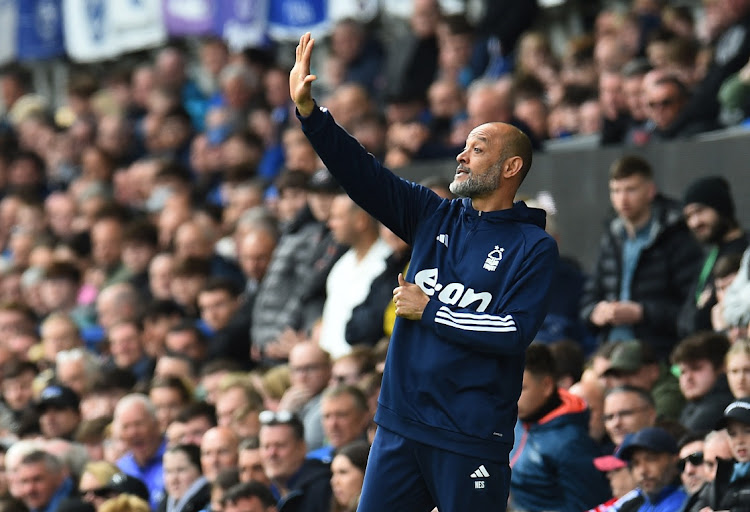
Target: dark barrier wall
{"type": "Point", "coordinates": [577, 180]}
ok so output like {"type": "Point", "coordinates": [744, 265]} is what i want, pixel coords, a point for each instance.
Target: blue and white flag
{"type": "Point", "coordinates": [40, 29]}
{"type": "Point", "coordinates": [243, 23]}
{"type": "Point", "coordinates": [8, 31]}
{"type": "Point", "coordinates": [190, 17]}
{"type": "Point", "coordinates": [138, 24]}
{"type": "Point", "coordinates": [289, 19]}
{"type": "Point", "coordinates": [89, 35]}
{"type": "Point", "coordinates": [102, 29]}
{"type": "Point", "coordinates": [363, 11]}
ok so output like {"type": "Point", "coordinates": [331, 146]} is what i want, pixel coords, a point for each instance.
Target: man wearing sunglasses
{"type": "Point", "coordinates": [692, 471]}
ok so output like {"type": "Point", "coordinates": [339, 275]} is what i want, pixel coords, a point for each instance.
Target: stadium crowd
{"type": "Point", "coordinates": [195, 317]}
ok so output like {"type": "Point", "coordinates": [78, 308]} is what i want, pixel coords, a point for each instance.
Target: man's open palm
{"type": "Point", "coordinates": [300, 79]}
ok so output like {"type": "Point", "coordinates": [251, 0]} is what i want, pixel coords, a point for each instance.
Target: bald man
{"type": "Point", "coordinates": [471, 302]}
{"type": "Point", "coordinates": [218, 451]}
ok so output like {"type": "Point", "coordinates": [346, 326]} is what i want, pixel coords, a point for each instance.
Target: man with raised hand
{"type": "Point", "coordinates": [469, 305]}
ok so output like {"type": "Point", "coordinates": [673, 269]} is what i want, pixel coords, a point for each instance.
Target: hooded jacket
{"type": "Point", "coordinates": [553, 461]}
{"type": "Point", "coordinates": [452, 379]}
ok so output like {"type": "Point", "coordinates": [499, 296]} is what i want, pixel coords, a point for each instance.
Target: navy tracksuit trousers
{"type": "Point", "coordinates": [408, 476]}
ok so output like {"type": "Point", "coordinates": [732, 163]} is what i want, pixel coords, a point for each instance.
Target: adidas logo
{"type": "Point", "coordinates": [481, 472]}
{"type": "Point", "coordinates": [443, 239]}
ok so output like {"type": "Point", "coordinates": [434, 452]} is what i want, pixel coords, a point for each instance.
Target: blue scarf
{"type": "Point", "coordinates": [741, 470]}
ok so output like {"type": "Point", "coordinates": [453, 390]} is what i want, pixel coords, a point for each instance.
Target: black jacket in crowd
{"type": "Point", "coordinates": [663, 276]}
{"type": "Point", "coordinates": [704, 414]}
{"type": "Point", "coordinates": [311, 489]}
{"type": "Point", "coordinates": [197, 502]}
{"type": "Point", "coordinates": [721, 494]}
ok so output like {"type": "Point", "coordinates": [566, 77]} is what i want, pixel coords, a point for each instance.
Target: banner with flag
{"type": "Point", "coordinates": [243, 23]}
{"type": "Point", "coordinates": [102, 29]}
{"type": "Point", "coordinates": [190, 17]}
{"type": "Point", "coordinates": [289, 19]}
{"type": "Point", "coordinates": [40, 29]}
{"type": "Point", "coordinates": [89, 34]}
{"type": "Point", "coordinates": [361, 10]}
{"type": "Point", "coordinates": [138, 24]}
{"type": "Point", "coordinates": [8, 31]}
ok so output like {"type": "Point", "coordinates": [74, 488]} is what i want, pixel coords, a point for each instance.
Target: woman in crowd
{"type": "Point", "coordinates": [738, 368]}
{"type": "Point", "coordinates": [187, 490]}
{"type": "Point", "coordinates": [348, 473]}
{"type": "Point", "coordinates": [93, 481]}
{"type": "Point", "coordinates": [170, 395]}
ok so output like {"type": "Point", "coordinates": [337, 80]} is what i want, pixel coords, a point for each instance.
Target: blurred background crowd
{"type": "Point", "coordinates": [195, 317]}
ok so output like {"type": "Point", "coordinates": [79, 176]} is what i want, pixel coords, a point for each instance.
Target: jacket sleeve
{"type": "Point", "coordinates": [686, 256]}
{"type": "Point", "coordinates": [512, 325]}
{"type": "Point", "coordinates": [583, 486]}
{"type": "Point", "coordinates": [365, 326]}
{"type": "Point", "coordinates": [593, 288]}
{"type": "Point", "coordinates": [397, 203]}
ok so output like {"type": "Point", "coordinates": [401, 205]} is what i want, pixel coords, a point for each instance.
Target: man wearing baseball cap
{"type": "Point", "coordinates": [59, 413]}
{"type": "Point", "coordinates": [625, 497]}
{"type": "Point", "coordinates": [652, 455]}
{"type": "Point", "coordinates": [634, 363]}
{"type": "Point", "coordinates": [709, 213]}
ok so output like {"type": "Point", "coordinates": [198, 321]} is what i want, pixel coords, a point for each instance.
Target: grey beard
{"type": "Point", "coordinates": [478, 185]}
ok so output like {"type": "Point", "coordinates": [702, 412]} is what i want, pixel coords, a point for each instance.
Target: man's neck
{"type": "Point", "coordinates": [553, 402]}
{"type": "Point", "coordinates": [492, 203]}
{"type": "Point", "coordinates": [363, 246]}
{"type": "Point", "coordinates": [148, 459]}
{"type": "Point", "coordinates": [632, 227]}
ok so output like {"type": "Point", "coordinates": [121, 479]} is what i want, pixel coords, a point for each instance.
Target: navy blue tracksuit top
{"type": "Point", "coordinates": [452, 380]}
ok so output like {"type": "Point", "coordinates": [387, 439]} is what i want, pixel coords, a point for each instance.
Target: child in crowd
{"type": "Point", "coordinates": [730, 490]}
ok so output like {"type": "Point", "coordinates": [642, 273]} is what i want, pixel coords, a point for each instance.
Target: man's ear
{"type": "Point", "coordinates": [512, 166]}
{"type": "Point", "coordinates": [549, 385]}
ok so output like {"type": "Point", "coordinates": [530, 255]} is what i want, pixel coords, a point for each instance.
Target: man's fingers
{"type": "Point", "coordinates": [401, 280]}
{"type": "Point", "coordinates": [307, 51]}
{"type": "Point", "coordinates": [309, 43]}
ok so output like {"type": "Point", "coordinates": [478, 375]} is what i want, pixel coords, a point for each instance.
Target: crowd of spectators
{"type": "Point", "coordinates": [195, 317]}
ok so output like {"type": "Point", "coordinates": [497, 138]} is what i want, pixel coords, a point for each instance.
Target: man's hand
{"type": "Point", "coordinates": [626, 313]}
{"type": "Point", "coordinates": [281, 346]}
{"type": "Point", "coordinates": [410, 300]}
{"type": "Point", "coordinates": [601, 314]}
{"type": "Point", "coordinates": [294, 398]}
{"type": "Point", "coordinates": [300, 79]}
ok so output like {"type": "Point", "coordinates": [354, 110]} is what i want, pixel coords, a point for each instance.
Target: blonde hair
{"type": "Point", "coordinates": [235, 380]}
{"type": "Point", "coordinates": [124, 503]}
{"type": "Point", "coordinates": [276, 381]}
{"type": "Point", "coordinates": [741, 346]}
{"type": "Point", "coordinates": [101, 470]}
